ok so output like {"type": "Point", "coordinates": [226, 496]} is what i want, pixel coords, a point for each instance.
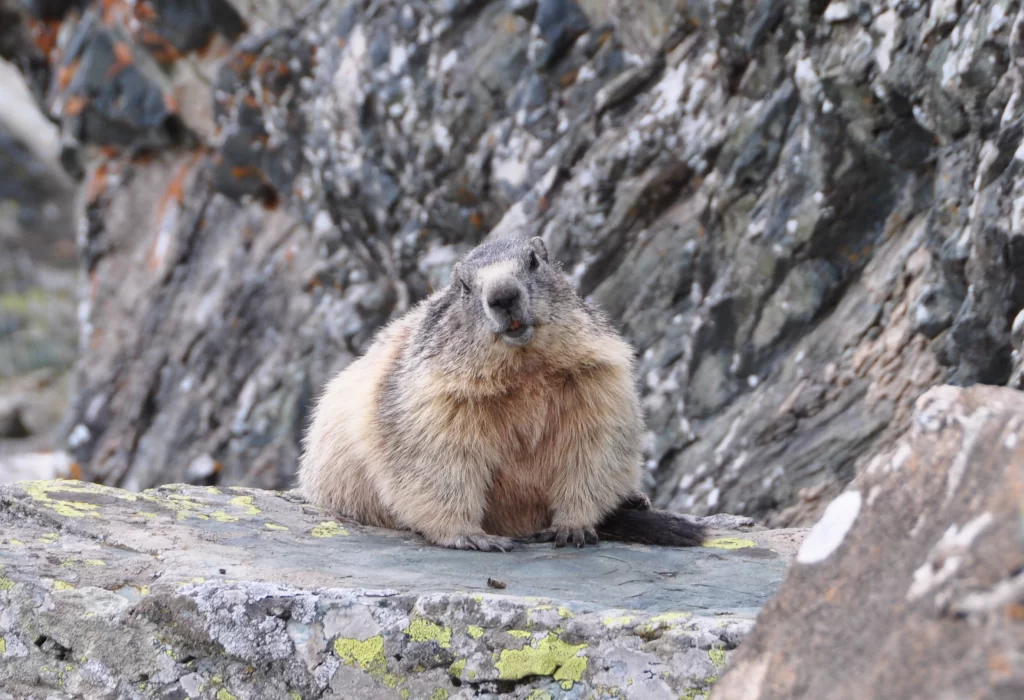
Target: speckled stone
{"type": "Point", "coordinates": [206, 591]}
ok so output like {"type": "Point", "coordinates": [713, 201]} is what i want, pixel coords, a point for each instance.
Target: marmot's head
{"type": "Point", "coordinates": [506, 310]}
{"type": "Point", "coordinates": [506, 289]}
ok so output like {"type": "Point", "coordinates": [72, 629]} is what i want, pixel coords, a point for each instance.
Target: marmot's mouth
{"type": "Point", "coordinates": [518, 333]}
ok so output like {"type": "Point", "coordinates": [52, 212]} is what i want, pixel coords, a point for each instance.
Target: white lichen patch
{"type": "Point", "coordinates": [946, 556]}
{"type": "Point", "coordinates": [829, 532]}
{"type": "Point", "coordinates": [972, 426]}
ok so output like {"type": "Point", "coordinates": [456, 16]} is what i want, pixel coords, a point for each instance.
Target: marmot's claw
{"type": "Point", "coordinates": [484, 543]}
{"type": "Point", "coordinates": [561, 536]}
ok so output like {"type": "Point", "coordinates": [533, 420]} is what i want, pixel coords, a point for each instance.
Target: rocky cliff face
{"type": "Point", "coordinates": [803, 214]}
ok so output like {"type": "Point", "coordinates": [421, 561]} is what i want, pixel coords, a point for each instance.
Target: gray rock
{"type": "Point", "coordinates": [210, 592]}
{"type": "Point", "coordinates": [921, 553]}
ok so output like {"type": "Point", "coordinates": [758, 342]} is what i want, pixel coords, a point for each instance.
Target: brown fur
{"type": "Point", "coordinates": [444, 428]}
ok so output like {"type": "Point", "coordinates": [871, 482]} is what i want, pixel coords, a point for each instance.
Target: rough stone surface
{"type": "Point", "coordinates": [803, 215]}
{"type": "Point", "coordinates": [199, 592]}
{"type": "Point", "coordinates": [912, 583]}
{"type": "Point", "coordinates": [38, 275]}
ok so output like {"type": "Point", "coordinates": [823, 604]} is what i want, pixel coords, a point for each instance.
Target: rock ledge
{"type": "Point", "coordinates": [195, 592]}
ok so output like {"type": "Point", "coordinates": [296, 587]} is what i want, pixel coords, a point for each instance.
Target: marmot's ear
{"type": "Point", "coordinates": [537, 243]}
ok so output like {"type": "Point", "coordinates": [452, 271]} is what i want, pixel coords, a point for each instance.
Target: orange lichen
{"type": "Point", "coordinates": [123, 58]}
{"type": "Point", "coordinates": [75, 471]}
{"type": "Point", "coordinates": [240, 172]}
{"type": "Point", "coordinates": [170, 103]}
{"type": "Point", "coordinates": [97, 184]}
{"type": "Point", "coordinates": [113, 12]}
{"type": "Point", "coordinates": [66, 73]}
{"type": "Point", "coordinates": [162, 50]}
{"type": "Point", "coordinates": [175, 193]}
{"type": "Point", "coordinates": [144, 11]}
{"type": "Point", "coordinates": [44, 34]}
{"type": "Point", "coordinates": [74, 106]}
{"type": "Point", "coordinates": [242, 62]}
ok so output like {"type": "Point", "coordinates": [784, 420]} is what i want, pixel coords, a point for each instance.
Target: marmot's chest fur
{"type": "Point", "coordinates": [502, 407]}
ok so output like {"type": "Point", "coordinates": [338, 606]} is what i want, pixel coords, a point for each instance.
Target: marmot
{"type": "Point", "coordinates": [501, 410]}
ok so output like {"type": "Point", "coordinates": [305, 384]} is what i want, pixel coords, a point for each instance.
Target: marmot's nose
{"type": "Point", "coordinates": [503, 296]}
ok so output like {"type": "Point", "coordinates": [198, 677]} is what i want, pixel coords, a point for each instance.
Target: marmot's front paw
{"type": "Point", "coordinates": [483, 543]}
{"type": "Point", "coordinates": [560, 536]}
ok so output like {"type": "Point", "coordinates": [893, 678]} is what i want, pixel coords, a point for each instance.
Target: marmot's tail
{"type": "Point", "coordinates": [656, 527]}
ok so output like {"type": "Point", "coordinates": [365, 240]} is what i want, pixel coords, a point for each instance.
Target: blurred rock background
{"type": "Point", "coordinates": [803, 214]}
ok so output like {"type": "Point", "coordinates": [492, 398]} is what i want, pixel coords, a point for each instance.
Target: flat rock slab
{"type": "Point", "coordinates": [196, 592]}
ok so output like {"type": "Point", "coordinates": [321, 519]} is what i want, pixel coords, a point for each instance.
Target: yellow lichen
{"type": "Point", "coordinates": [730, 543]}
{"type": "Point", "coordinates": [246, 503]}
{"type": "Point", "coordinates": [538, 694]}
{"type": "Point", "coordinates": [457, 668]}
{"type": "Point", "coordinates": [3, 646]}
{"type": "Point", "coordinates": [717, 657]}
{"type": "Point", "coordinates": [369, 654]}
{"type": "Point", "coordinates": [521, 634]}
{"type": "Point", "coordinates": [474, 631]}
{"type": "Point", "coordinates": [549, 657]}
{"type": "Point", "coordinates": [619, 621]}
{"type": "Point", "coordinates": [59, 585]}
{"type": "Point", "coordinates": [329, 529]}
{"type": "Point", "coordinates": [422, 630]}
{"type": "Point", "coordinates": [16, 543]}
{"type": "Point", "coordinates": [40, 491]}
{"type": "Point", "coordinates": [6, 584]}
{"type": "Point", "coordinates": [671, 617]}
{"type": "Point", "coordinates": [49, 537]}
{"type": "Point", "coordinates": [222, 517]}
{"type": "Point", "coordinates": [404, 694]}
{"type": "Point", "coordinates": [439, 694]}
{"type": "Point", "coordinates": [275, 526]}
{"type": "Point", "coordinates": [223, 694]}
{"type": "Point", "coordinates": [565, 613]}
{"type": "Point", "coordinates": [95, 562]}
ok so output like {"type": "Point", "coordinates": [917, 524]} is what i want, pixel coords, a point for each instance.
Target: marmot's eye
{"type": "Point", "coordinates": [465, 287]}
{"type": "Point", "coordinates": [534, 261]}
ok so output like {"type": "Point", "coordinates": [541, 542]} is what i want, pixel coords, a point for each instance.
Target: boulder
{"type": "Point", "coordinates": [911, 585]}
{"type": "Point", "coordinates": [205, 592]}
